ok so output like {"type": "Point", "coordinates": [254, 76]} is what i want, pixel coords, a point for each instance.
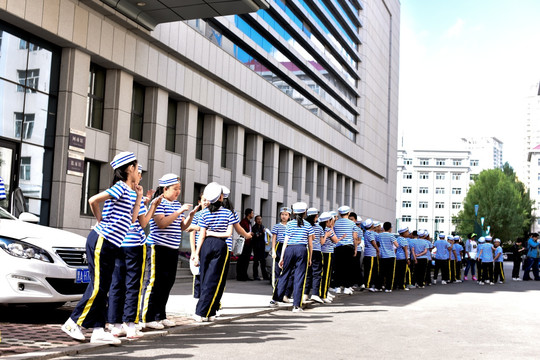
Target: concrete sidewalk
{"type": "Point", "coordinates": [31, 339]}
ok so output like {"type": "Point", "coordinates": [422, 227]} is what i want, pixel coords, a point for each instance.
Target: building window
{"type": "Point", "coordinates": [423, 190]}
{"type": "Point", "coordinates": [439, 190]}
{"type": "Point", "coordinates": [96, 97]}
{"type": "Point", "coordinates": [456, 191]}
{"type": "Point", "coordinates": [424, 161]}
{"type": "Point", "coordinates": [407, 190]}
{"type": "Point", "coordinates": [439, 220]}
{"type": "Point", "coordinates": [475, 162]}
{"type": "Point", "coordinates": [406, 218]}
{"type": "Point", "coordinates": [423, 205]}
{"type": "Point", "coordinates": [456, 205]}
{"type": "Point", "coordinates": [25, 168]}
{"type": "Point", "coordinates": [538, 221]}
{"type": "Point", "coordinates": [90, 184]}
{"type": "Point", "coordinates": [137, 112]}
{"type": "Point", "coordinates": [170, 144]}
{"type": "Point", "coordinates": [457, 162]}
{"type": "Point", "coordinates": [200, 136]}
{"type": "Point", "coordinates": [440, 162]}
{"type": "Point", "coordinates": [224, 142]}
{"type": "Point", "coordinates": [409, 175]}
{"type": "Point", "coordinates": [25, 45]}
{"type": "Point", "coordinates": [423, 219]}
{"type": "Point", "coordinates": [406, 204]}
{"type": "Point", "coordinates": [423, 176]}
{"type": "Point", "coordinates": [439, 205]}
{"type": "Point", "coordinates": [456, 176]}
{"type": "Point", "coordinates": [28, 80]}
{"type": "Point", "coordinates": [439, 176]}
{"type": "Point", "coordinates": [407, 161]}
{"type": "Point", "coordinates": [24, 125]}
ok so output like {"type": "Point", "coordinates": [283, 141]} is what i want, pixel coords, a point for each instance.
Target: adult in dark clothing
{"type": "Point", "coordinates": [517, 252]}
{"type": "Point", "coordinates": [258, 244]}
{"type": "Point", "coordinates": [243, 260]}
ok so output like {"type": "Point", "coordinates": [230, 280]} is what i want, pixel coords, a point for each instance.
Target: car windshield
{"type": "Point", "coordinates": [5, 215]}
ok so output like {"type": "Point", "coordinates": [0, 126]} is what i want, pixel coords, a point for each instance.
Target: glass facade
{"type": "Point", "coordinates": [29, 71]}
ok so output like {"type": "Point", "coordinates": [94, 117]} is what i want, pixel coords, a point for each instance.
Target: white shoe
{"type": "Point", "coordinates": [102, 337]}
{"type": "Point", "coordinates": [487, 281]}
{"type": "Point", "coordinates": [332, 289]}
{"type": "Point", "coordinates": [199, 319]}
{"type": "Point", "coordinates": [131, 332]}
{"type": "Point", "coordinates": [297, 309]}
{"type": "Point", "coordinates": [519, 279]}
{"type": "Point", "coordinates": [330, 296]}
{"type": "Point", "coordinates": [218, 313]}
{"type": "Point", "coordinates": [347, 291]}
{"type": "Point", "coordinates": [500, 282]}
{"type": "Point", "coordinates": [339, 290]}
{"type": "Point", "coordinates": [156, 325]}
{"type": "Point", "coordinates": [372, 289]}
{"type": "Point", "coordinates": [480, 283]}
{"type": "Point", "coordinates": [168, 323]}
{"type": "Point", "coordinates": [273, 304]}
{"type": "Point", "coordinates": [211, 318]}
{"type": "Point", "coordinates": [434, 282]}
{"type": "Point", "coordinates": [491, 283]}
{"type": "Point", "coordinates": [387, 291]}
{"type": "Point", "coordinates": [327, 301]}
{"type": "Point", "coordinates": [73, 330]}
{"type": "Point", "coordinates": [362, 287]}
{"type": "Point", "coordinates": [117, 330]}
{"type": "Point", "coordinates": [287, 300]}
{"type": "Point", "coordinates": [316, 298]}
{"type": "Point", "coordinates": [443, 282]}
{"type": "Point", "coordinates": [406, 289]}
{"type": "Point", "coordinates": [305, 299]}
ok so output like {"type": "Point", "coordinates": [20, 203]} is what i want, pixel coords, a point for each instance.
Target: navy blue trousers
{"type": "Point", "coordinates": [327, 264]}
{"type": "Point", "coordinates": [343, 269]}
{"type": "Point", "coordinates": [295, 267]}
{"type": "Point", "coordinates": [160, 272]}
{"type": "Point", "coordinates": [214, 263]}
{"type": "Point", "coordinates": [371, 271]}
{"type": "Point", "coordinates": [91, 311]}
{"type": "Point", "coordinates": [126, 286]}
{"type": "Point", "coordinates": [197, 286]}
{"type": "Point", "coordinates": [313, 281]}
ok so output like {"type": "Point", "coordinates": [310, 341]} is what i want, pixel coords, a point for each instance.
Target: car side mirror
{"type": "Point", "coordinates": [29, 218]}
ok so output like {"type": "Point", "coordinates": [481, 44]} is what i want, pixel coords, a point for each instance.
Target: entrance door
{"type": "Point", "coordinates": [9, 157]}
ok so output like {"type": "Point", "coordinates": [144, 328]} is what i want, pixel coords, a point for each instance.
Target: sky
{"type": "Point", "coordinates": [466, 68]}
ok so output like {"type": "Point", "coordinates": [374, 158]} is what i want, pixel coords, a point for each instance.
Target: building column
{"type": "Point", "coordinates": [235, 161]}
{"type": "Point", "coordinates": [71, 114]}
{"type": "Point", "coordinates": [155, 134]}
{"type": "Point", "coordinates": [254, 164]}
{"type": "Point", "coordinates": [187, 139]}
{"type": "Point", "coordinates": [311, 184]}
{"type": "Point", "coordinates": [271, 170]}
{"type": "Point", "coordinates": [322, 183]}
{"type": "Point", "coordinates": [286, 176]}
{"type": "Point", "coordinates": [213, 131]}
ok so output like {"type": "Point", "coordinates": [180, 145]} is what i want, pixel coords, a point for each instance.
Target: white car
{"type": "Point", "coordinates": [39, 264]}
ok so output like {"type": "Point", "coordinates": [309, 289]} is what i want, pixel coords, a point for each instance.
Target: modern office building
{"type": "Point", "coordinates": [531, 136]}
{"type": "Point", "coordinates": [279, 100]}
{"type": "Point", "coordinates": [487, 150]}
{"type": "Point", "coordinates": [533, 160]}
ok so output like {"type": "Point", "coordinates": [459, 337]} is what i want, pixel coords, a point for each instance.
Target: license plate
{"type": "Point", "coordinates": [83, 276]}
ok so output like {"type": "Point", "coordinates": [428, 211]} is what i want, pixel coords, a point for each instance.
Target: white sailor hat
{"type": "Point", "coordinates": [481, 239]}
{"type": "Point", "coordinates": [344, 210]}
{"type": "Point", "coordinates": [299, 207]}
{"type": "Point", "coordinates": [123, 158]}
{"type": "Point", "coordinates": [139, 168]}
{"type": "Point", "coordinates": [168, 180]}
{"type": "Point", "coordinates": [226, 191]}
{"type": "Point", "coordinates": [212, 192]}
{"type": "Point", "coordinates": [489, 238]}
{"type": "Point", "coordinates": [497, 240]}
{"type": "Point", "coordinates": [285, 209]}
{"type": "Point", "coordinates": [368, 223]}
{"type": "Point", "coordinates": [420, 232]}
{"type": "Point", "coordinates": [312, 211]}
{"type": "Point", "coordinates": [376, 223]}
{"type": "Point", "coordinates": [333, 213]}
{"type": "Point", "coordinates": [325, 216]}
{"type": "Point", "coordinates": [442, 236]}
{"type": "Point", "coordinates": [402, 230]}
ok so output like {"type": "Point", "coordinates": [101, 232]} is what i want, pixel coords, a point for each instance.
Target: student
{"type": "Point", "coordinates": [471, 251]}
{"type": "Point", "coordinates": [358, 273]}
{"type": "Point", "coordinates": [371, 258]}
{"type": "Point", "coordinates": [122, 202]}
{"type": "Point", "coordinates": [294, 260]}
{"type": "Point", "coordinates": [402, 259]}
{"type": "Point", "coordinates": [242, 263]}
{"type": "Point", "coordinates": [258, 243]}
{"type": "Point", "coordinates": [387, 244]}
{"type": "Point", "coordinates": [328, 242]}
{"type": "Point", "coordinates": [313, 282]}
{"type": "Point", "coordinates": [517, 250]}
{"type": "Point", "coordinates": [485, 254]}
{"type": "Point", "coordinates": [128, 276]}
{"type": "Point", "coordinates": [278, 237]}
{"type": "Point", "coordinates": [498, 274]}
{"type": "Point", "coordinates": [345, 251]}
{"type": "Point", "coordinates": [458, 248]}
{"type": "Point", "coordinates": [452, 259]}
{"type": "Point", "coordinates": [195, 230]}
{"type": "Point", "coordinates": [213, 252]}
{"type": "Point", "coordinates": [533, 254]}
{"type": "Point", "coordinates": [162, 251]}
{"type": "Point", "coordinates": [420, 249]}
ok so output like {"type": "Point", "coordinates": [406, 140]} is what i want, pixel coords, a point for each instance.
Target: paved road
{"type": "Point", "coordinates": [455, 321]}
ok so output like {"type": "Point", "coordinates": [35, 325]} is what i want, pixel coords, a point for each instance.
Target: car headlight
{"type": "Point", "coordinates": [23, 250]}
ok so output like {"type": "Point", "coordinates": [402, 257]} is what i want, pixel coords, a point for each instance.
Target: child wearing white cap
{"type": "Point", "coordinates": [278, 237]}
{"type": "Point", "coordinates": [345, 251]}
{"type": "Point", "coordinates": [498, 274]}
{"type": "Point", "coordinates": [162, 251]}
{"type": "Point", "coordinates": [371, 258]}
{"type": "Point", "coordinates": [313, 281]}
{"type": "Point", "coordinates": [328, 243]}
{"type": "Point", "coordinates": [121, 208]}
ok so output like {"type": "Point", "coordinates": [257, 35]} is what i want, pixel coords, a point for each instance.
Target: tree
{"type": "Point", "coordinates": [503, 202]}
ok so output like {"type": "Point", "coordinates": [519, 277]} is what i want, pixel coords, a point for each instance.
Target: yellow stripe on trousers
{"type": "Point", "coordinates": [141, 285]}
{"type": "Point", "coordinates": [97, 274]}
{"type": "Point", "coordinates": [305, 278]}
{"type": "Point", "coordinates": [393, 274]}
{"type": "Point", "coordinates": [502, 270]}
{"type": "Point", "coordinates": [326, 281]}
{"type": "Point", "coordinates": [370, 270]}
{"type": "Point", "coordinates": [219, 284]}
{"type": "Point", "coordinates": [151, 282]}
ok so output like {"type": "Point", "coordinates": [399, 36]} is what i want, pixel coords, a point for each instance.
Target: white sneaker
{"type": "Point", "coordinates": [330, 296]}
{"type": "Point", "coordinates": [305, 299]}
{"type": "Point", "coordinates": [273, 304]}
{"type": "Point", "coordinates": [443, 282]}
{"type": "Point", "coordinates": [117, 330]}
{"type": "Point", "coordinates": [347, 291]}
{"type": "Point", "coordinates": [406, 289]}
{"type": "Point", "coordinates": [332, 289]}
{"type": "Point", "coordinates": [211, 318]}
{"type": "Point", "coordinates": [316, 298]}
{"type": "Point", "coordinates": [387, 291]}
{"type": "Point", "coordinates": [339, 290]}
{"type": "Point", "coordinates": [287, 300]}
{"type": "Point", "coordinates": [500, 282]}
{"type": "Point", "coordinates": [73, 330]}
{"type": "Point", "coordinates": [131, 332]}
{"type": "Point", "coordinates": [156, 325]}
{"type": "Point", "coordinates": [372, 289]}
{"type": "Point", "coordinates": [168, 323]}
{"type": "Point", "coordinates": [487, 281]}
{"type": "Point", "coordinates": [362, 287]}
{"type": "Point", "coordinates": [327, 301]}
{"type": "Point", "coordinates": [102, 337]}
{"type": "Point", "coordinates": [297, 309]}
{"type": "Point", "coordinates": [491, 283]}
{"type": "Point", "coordinates": [519, 279]}
{"type": "Point", "coordinates": [480, 283]}
{"type": "Point", "coordinates": [199, 319]}
{"type": "Point", "coordinates": [218, 313]}
{"type": "Point", "coordinates": [434, 282]}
